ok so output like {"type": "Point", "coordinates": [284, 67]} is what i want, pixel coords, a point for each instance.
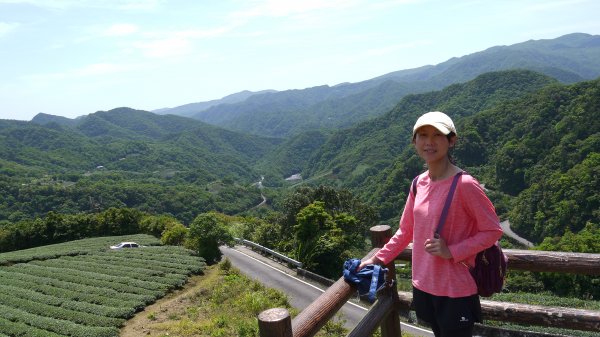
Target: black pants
{"type": "Point", "coordinates": [447, 316]}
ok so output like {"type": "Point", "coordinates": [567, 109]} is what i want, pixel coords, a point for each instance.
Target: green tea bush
{"type": "Point", "coordinates": [83, 288]}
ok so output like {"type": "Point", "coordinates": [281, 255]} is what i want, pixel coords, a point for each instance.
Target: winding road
{"type": "Point", "coordinates": [260, 187]}
{"type": "Point", "coordinates": [506, 229]}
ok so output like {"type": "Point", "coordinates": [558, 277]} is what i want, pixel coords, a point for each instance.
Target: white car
{"type": "Point", "coordinates": [125, 245]}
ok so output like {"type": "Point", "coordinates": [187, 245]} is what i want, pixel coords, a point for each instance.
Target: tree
{"type": "Point", "coordinates": [119, 221]}
{"type": "Point", "coordinates": [312, 223]}
{"type": "Point", "coordinates": [157, 225]}
{"type": "Point", "coordinates": [206, 234]}
{"type": "Point", "coordinates": [586, 241]}
{"type": "Point", "coordinates": [175, 235]}
{"type": "Point", "coordinates": [265, 233]}
{"type": "Point", "coordinates": [322, 242]}
{"type": "Point", "coordinates": [334, 201]}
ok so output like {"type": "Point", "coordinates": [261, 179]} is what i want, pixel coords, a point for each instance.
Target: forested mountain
{"type": "Point", "coordinates": [382, 138]}
{"type": "Point", "coordinates": [291, 156]}
{"type": "Point", "coordinates": [531, 140]}
{"type": "Point", "coordinates": [133, 140]}
{"type": "Point", "coordinates": [44, 119]}
{"type": "Point", "coordinates": [125, 157]}
{"type": "Point", "coordinates": [569, 58]}
{"type": "Point", "coordinates": [123, 123]}
{"type": "Point", "coordinates": [190, 109]}
{"type": "Point", "coordinates": [521, 133]}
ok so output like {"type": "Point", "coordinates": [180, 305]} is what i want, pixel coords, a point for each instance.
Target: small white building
{"type": "Point", "coordinates": [294, 177]}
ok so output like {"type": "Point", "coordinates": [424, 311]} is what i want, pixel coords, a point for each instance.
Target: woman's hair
{"type": "Point", "coordinates": [449, 136]}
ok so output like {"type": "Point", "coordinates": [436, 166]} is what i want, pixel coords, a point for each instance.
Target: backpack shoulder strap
{"type": "Point", "coordinates": [448, 202]}
{"type": "Point", "coordinates": [414, 186]}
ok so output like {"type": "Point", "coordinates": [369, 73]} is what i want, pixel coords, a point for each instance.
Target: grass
{"type": "Point", "coordinates": [227, 303]}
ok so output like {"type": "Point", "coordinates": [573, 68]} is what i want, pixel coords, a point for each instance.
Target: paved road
{"type": "Point", "coordinates": [300, 292]}
{"type": "Point", "coordinates": [506, 229]}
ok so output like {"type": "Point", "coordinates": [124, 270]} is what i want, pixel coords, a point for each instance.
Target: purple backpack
{"type": "Point", "coordinates": [489, 270]}
{"type": "Point", "coordinates": [490, 264]}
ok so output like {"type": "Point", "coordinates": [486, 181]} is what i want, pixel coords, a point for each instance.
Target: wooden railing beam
{"type": "Point", "coordinates": [576, 319]}
{"type": "Point", "coordinates": [274, 323]}
{"type": "Point", "coordinates": [543, 261]}
{"type": "Point", "coordinates": [310, 320]}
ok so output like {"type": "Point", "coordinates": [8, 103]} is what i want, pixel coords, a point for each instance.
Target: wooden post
{"type": "Point", "coordinates": [390, 325]}
{"type": "Point", "coordinates": [380, 235]}
{"type": "Point", "coordinates": [376, 314]}
{"type": "Point", "coordinates": [275, 322]}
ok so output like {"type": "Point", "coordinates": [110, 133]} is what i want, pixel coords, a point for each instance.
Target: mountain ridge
{"type": "Point", "coordinates": [569, 58]}
{"type": "Point", "coordinates": [520, 132]}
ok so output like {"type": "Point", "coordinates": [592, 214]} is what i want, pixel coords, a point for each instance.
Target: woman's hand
{"type": "Point", "coordinates": [371, 260]}
{"type": "Point", "coordinates": [437, 246]}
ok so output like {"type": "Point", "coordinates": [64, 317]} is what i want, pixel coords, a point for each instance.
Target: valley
{"type": "Point", "coordinates": [527, 130]}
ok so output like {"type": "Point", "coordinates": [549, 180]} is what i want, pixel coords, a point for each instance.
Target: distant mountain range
{"type": "Point", "coordinates": [529, 133]}
{"type": "Point", "coordinates": [126, 139]}
{"type": "Point", "coordinates": [190, 109]}
{"type": "Point", "coordinates": [569, 59]}
{"type": "Point", "coordinates": [524, 134]}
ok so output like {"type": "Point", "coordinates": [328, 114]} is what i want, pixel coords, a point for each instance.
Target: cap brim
{"type": "Point", "coordinates": [440, 127]}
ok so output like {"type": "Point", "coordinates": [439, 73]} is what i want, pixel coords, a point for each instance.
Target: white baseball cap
{"type": "Point", "coordinates": [438, 120]}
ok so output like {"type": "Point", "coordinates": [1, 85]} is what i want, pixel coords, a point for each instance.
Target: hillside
{"type": "Point", "coordinates": [533, 142]}
{"type": "Point", "coordinates": [359, 152]}
{"type": "Point", "coordinates": [187, 110]}
{"type": "Point", "coordinates": [290, 157]}
{"type": "Point", "coordinates": [569, 58]}
{"type": "Point", "coordinates": [509, 126]}
{"type": "Point", "coordinates": [81, 288]}
{"type": "Point", "coordinates": [122, 130]}
{"type": "Point", "coordinates": [126, 157]}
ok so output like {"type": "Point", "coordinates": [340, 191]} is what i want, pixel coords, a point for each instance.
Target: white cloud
{"type": "Point", "coordinates": [394, 48]}
{"type": "Point", "coordinates": [91, 70]}
{"type": "Point", "coordinates": [99, 69]}
{"type": "Point", "coordinates": [138, 4]}
{"type": "Point", "coordinates": [552, 5]}
{"type": "Point", "coordinates": [286, 8]}
{"type": "Point", "coordinates": [6, 28]}
{"type": "Point", "coordinates": [373, 53]}
{"type": "Point", "coordinates": [121, 29]}
{"type": "Point", "coordinates": [109, 4]}
{"type": "Point", "coordinates": [394, 3]}
{"type": "Point", "coordinates": [176, 43]}
{"type": "Point", "coordinates": [282, 8]}
{"type": "Point", "coordinates": [164, 48]}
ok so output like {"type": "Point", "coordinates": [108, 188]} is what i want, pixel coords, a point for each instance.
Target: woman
{"type": "Point", "coordinates": [444, 293]}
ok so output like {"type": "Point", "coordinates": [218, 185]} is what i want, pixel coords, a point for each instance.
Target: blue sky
{"type": "Point", "coordinates": [75, 57]}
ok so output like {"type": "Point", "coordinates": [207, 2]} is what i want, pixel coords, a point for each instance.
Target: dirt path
{"type": "Point", "coordinates": [145, 322]}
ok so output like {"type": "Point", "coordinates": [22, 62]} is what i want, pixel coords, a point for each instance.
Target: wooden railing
{"type": "Point", "coordinates": [385, 312]}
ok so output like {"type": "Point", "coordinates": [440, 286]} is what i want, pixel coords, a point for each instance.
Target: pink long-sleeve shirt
{"type": "Point", "coordinates": [471, 226]}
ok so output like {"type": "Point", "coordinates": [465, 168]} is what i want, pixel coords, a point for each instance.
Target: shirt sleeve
{"type": "Point", "coordinates": [403, 235]}
{"type": "Point", "coordinates": [487, 226]}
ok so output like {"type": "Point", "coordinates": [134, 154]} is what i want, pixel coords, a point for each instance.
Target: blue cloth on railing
{"type": "Point", "coordinates": [368, 280]}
